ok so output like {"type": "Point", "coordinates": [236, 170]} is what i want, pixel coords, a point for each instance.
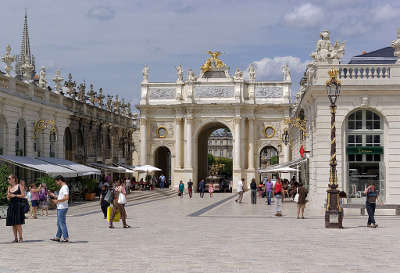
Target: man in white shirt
{"type": "Point", "coordinates": [240, 190]}
{"type": "Point", "coordinates": [62, 208]}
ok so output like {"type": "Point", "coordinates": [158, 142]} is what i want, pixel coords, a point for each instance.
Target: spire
{"type": "Point", "coordinates": [25, 54]}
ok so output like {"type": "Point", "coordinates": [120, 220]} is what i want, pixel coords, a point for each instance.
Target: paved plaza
{"type": "Point", "coordinates": [216, 234]}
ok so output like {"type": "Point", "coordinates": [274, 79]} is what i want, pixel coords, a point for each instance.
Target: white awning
{"type": "Point", "coordinates": [126, 170]}
{"type": "Point", "coordinates": [34, 164]}
{"type": "Point", "coordinates": [81, 170]}
{"type": "Point", "coordinates": [284, 167]}
{"type": "Point", "coordinates": [107, 167]}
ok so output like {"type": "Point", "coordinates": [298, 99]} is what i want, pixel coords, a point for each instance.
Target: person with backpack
{"type": "Point", "coordinates": [278, 197]}
{"type": "Point", "coordinates": [43, 200]}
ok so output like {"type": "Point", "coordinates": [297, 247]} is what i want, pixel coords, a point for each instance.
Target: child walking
{"type": "Point", "coordinates": [210, 189]}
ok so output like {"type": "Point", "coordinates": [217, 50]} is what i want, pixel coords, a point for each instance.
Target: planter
{"type": "Point", "coordinates": [90, 196]}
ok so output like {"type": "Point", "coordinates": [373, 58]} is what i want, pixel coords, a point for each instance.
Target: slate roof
{"type": "Point", "coordinates": [381, 56]}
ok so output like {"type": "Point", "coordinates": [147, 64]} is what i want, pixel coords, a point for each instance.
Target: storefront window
{"type": "Point", "coordinates": [364, 153]}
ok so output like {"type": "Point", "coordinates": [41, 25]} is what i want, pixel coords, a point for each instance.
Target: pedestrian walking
{"type": "Point", "coordinates": [253, 188]}
{"type": "Point", "coordinates": [15, 211]}
{"type": "Point", "coordinates": [301, 200]}
{"type": "Point", "coordinates": [128, 185]}
{"type": "Point", "coordinates": [61, 200]}
{"type": "Point", "coordinates": [278, 197]}
{"type": "Point", "coordinates": [103, 200]}
{"type": "Point", "coordinates": [240, 184]}
{"type": "Point", "coordinates": [119, 204]}
{"type": "Point", "coordinates": [210, 189]}
{"type": "Point", "coordinates": [190, 188]}
{"type": "Point", "coordinates": [34, 200]}
{"type": "Point", "coordinates": [201, 188]}
{"type": "Point", "coordinates": [181, 188]}
{"type": "Point", "coordinates": [268, 190]}
{"type": "Point", "coordinates": [162, 181]}
{"type": "Point", "coordinates": [43, 200]}
{"type": "Point", "coordinates": [370, 205]}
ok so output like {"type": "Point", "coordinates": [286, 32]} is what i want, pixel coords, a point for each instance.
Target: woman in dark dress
{"type": "Point", "coordinates": [15, 211]}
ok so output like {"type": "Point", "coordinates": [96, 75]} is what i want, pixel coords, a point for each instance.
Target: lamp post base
{"type": "Point", "coordinates": [333, 212]}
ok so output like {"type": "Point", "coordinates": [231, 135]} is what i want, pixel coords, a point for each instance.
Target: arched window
{"type": "Point", "coordinates": [68, 144]}
{"type": "Point", "coordinates": [3, 134]}
{"type": "Point", "coordinates": [364, 149]}
{"type": "Point", "coordinates": [268, 156]}
{"type": "Point", "coordinates": [20, 138]}
{"type": "Point", "coordinates": [53, 142]}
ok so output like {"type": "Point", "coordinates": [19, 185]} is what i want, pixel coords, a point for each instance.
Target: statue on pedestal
{"type": "Point", "coordinates": [8, 59]}
{"type": "Point", "coordinates": [145, 73]}
{"type": "Point", "coordinates": [286, 73]}
{"type": "Point", "coordinates": [42, 78]}
{"type": "Point", "coordinates": [100, 98]}
{"type": "Point", "coordinates": [57, 81]}
{"type": "Point", "coordinates": [109, 103]}
{"type": "Point", "coordinates": [238, 76]}
{"type": "Point", "coordinates": [92, 95]}
{"type": "Point", "coordinates": [326, 52]}
{"type": "Point", "coordinates": [179, 72]}
{"type": "Point", "coordinates": [71, 87]}
{"type": "Point", "coordinates": [190, 76]}
{"type": "Point", "coordinates": [82, 92]}
{"type": "Point", "coordinates": [252, 73]}
{"type": "Point", "coordinates": [116, 105]}
{"type": "Point", "coordinates": [396, 46]}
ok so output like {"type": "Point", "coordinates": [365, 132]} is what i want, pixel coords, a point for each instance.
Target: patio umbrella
{"type": "Point", "coordinates": [146, 168]}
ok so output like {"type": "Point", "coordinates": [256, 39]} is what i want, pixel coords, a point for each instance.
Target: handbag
{"type": "Point", "coordinates": [296, 197]}
{"type": "Point", "coordinates": [25, 205]}
{"type": "Point", "coordinates": [121, 198]}
{"type": "Point", "coordinates": [109, 196]}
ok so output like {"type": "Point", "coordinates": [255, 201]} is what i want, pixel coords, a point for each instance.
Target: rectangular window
{"type": "Point", "coordinates": [354, 140]}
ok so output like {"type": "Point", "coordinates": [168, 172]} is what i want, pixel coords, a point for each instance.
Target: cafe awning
{"type": "Point", "coordinates": [38, 165]}
{"type": "Point", "coordinates": [80, 169]}
{"type": "Point", "coordinates": [284, 167]}
{"type": "Point", "coordinates": [107, 167]}
{"type": "Point", "coordinates": [120, 166]}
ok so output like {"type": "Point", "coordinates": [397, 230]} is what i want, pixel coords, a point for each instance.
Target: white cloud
{"type": "Point", "coordinates": [384, 13]}
{"type": "Point", "coordinates": [101, 13]}
{"type": "Point", "coordinates": [307, 15]}
{"type": "Point", "coordinates": [270, 69]}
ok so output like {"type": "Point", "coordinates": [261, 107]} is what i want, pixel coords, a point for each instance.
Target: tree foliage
{"type": "Point", "coordinates": [4, 173]}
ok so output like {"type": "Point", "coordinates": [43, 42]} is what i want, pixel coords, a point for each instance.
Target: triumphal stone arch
{"type": "Point", "coordinates": [176, 119]}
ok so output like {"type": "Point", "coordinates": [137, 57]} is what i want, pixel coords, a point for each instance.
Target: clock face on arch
{"type": "Point", "coordinates": [162, 132]}
{"type": "Point", "coordinates": [269, 131]}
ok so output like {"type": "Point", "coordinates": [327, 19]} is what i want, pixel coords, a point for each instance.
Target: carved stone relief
{"type": "Point", "coordinates": [261, 125]}
{"type": "Point", "coordinates": [214, 91]}
{"type": "Point", "coordinates": [269, 91]}
{"type": "Point", "coordinates": [156, 93]}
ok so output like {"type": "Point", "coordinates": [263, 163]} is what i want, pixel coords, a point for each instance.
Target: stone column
{"type": "Point", "coordinates": [251, 144]}
{"type": "Point", "coordinates": [188, 138]}
{"type": "Point", "coordinates": [178, 143]}
{"type": "Point", "coordinates": [143, 141]}
{"type": "Point", "coordinates": [237, 157]}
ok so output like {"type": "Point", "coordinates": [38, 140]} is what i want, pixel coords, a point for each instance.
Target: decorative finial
{"type": "Point", "coordinates": [145, 73]}
{"type": "Point", "coordinates": [396, 46]}
{"type": "Point", "coordinates": [57, 81]}
{"type": "Point", "coordinates": [286, 73]}
{"type": "Point", "coordinates": [27, 69]}
{"type": "Point", "coordinates": [179, 72]}
{"type": "Point", "coordinates": [92, 95]}
{"type": "Point", "coordinates": [8, 59]}
{"type": "Point", "coordinates": [71, 86]}
{"type": "Point", "coordinates": [100, 98]}
{"type": "Point", "coordinates": [252, 72]}
{"type": "Point", "coordinates": [213, 62]}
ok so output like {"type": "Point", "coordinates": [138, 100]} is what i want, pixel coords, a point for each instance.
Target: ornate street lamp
{"type": "Point", "coordinates": [333, 212]}
{"type": "Point", "coordinates": [285, 137]}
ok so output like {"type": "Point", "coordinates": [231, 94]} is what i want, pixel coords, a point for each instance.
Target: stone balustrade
{"type": "Point", "coordinates": [364, 72]}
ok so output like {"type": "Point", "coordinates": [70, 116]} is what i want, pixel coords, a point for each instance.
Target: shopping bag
{"type": "Point", "coordinates": [117, 216]}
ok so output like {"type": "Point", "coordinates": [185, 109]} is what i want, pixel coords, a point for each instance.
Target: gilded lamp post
{"type": "Point", "coordinates": [334, 212]}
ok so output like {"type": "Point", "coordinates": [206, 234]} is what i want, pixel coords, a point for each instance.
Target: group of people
{"type": "Point", "coordinates": [38, 197]}
{"type": "Point", "coordinates": [18, 206]}
{"type": "Point", "coordinates": [202, 188]}
{"type": "Point", "coordinates": [114, 195]}
{"type": "Point", "coordinates": [276, 190]}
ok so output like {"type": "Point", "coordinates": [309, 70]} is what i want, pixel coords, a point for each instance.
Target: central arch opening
{"type": "Point", "coordinates": [215, 157]}
{"type": "Point", "coordinates": [162, 160]}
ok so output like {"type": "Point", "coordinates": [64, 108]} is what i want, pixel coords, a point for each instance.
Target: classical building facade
{"type": "Point", "coordinates": [68, 120]}
{"type": "Point", "coordinates": [176, 119]}
{"type": "Point", "coordinates": [220, 144]}
{"type": "Point", "coordinates": [367, 123]}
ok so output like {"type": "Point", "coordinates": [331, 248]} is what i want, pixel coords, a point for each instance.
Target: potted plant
{"type": "Point", "coordinates": [91, 186]}
{"type": "Point", "coordinates": [4, 173]}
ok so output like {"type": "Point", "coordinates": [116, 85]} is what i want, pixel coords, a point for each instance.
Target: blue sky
{"type": "Point", "coordinates": [107, 43]}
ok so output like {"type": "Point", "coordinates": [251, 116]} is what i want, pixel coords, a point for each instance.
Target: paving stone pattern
{"type": "Point", "coordinates": [229, 237]}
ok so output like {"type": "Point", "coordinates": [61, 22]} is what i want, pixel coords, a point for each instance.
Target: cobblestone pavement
{"type": "Point", "coordinates": [204, 235]}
